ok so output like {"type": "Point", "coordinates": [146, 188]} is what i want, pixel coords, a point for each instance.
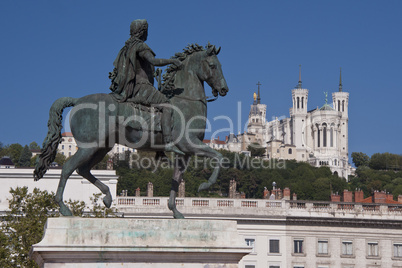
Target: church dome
{"type": "Point", "coordinates": [327, 107]}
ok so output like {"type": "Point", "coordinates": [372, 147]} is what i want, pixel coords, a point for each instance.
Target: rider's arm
{"type": "Point", "coordinates": [149, 56]}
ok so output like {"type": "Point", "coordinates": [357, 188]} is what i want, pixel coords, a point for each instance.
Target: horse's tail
{"type": "Point", "coordinates": [52, 140]}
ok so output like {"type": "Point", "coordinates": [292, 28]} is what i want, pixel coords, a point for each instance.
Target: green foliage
{"type": "Point", "coordinates": [34, 146]}
{"type": "Point", "coordinates": [102, 164]}
{"type": "Point", "coordinates": [23, 225]}
{"type": "Point", "coordinates": [386, 161]}
{"type": "Point", "coordinates": [251, 175]}
{"type": "Point", "coordinates": [25, 157]}
{"type": "Point", "coordinates": [60, 159]}
{"type": "Point", "coordinates": [24, 222]}
{"type": "Point", "coordinates": [13, 151]}
{"type": "Point", "coordinates": [33, 160]}
{"type": "Point", "coordinates": [256, 150]}
{"type": "Point", "coordinates": [360, 159]}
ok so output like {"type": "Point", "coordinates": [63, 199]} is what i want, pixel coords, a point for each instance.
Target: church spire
{"type": "Point", "coordinates": [300, 82]}
{"type": "Point", "coordinates": [340, 80]}
{"type": "Point", "coordinates": [258, 96]}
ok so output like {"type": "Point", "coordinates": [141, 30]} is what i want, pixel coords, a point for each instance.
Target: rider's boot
{"type": "Point", "coordinates": [166, 121]}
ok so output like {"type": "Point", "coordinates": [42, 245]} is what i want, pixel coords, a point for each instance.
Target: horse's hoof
{"type": "Point", "coordinates": [203, 186]}
{"type": "Point", "coordinates": [107, 200]}
{"type": "Point", "coordinates": [178, 215]}
{"type": "Point", "coordinates": [65, 211]}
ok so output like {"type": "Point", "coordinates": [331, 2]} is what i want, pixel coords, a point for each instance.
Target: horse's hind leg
{"type": "Point", "coordinates": [204, 150]}
{"type": "Point", "coordinates": [82, 155]}
{"type": "Point", "coordinates": [85, 171]}
{"type": "Point", "coordinates": [180, 167]}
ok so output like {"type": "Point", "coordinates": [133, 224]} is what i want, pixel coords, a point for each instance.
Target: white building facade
{"type": "Point", "coordinates": [68, 146]}
{"type": "Point", "coordinates": [295, 234]}
{"type": "Point", "coordinates": [77, 187]}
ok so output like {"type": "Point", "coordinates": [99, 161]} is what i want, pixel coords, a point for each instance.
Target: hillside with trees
{"type": "Point", "coordinates": [251, 175]}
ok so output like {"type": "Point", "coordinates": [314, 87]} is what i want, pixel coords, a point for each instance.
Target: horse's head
{"type": "Point", "coordinates": [211, 71]}
{"type": "Point", "coordinates": [200, 63]}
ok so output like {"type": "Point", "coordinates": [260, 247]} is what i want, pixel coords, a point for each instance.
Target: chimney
{"type": "Point", "coordinates": [400, 198]}
{"type": "Point", "coordinates": [359, 196]}
{"type": "Point", "coordinates": [137, 192]}
{"type": "Point", "coordinates": [294, 196]}
{"type": "Point", "coordinates": [379, 197]}
{"type": "Point", "coordinates": [389, 197]}
{"type": "Point", "coordinates": [266, 193]}
{"type": "Point", "coordinates": [182, 189]}
{"type": "Point", "coordinates": [286, 193]}
{"type": "Point", "coordinates": [109, 165]}
{"type": "Point", "coordinates": [347, 196]}
{"type": "Point", "coordinates": [232, 189]}
{"type": "Point", "coordinates": [335, 197]}
{"type": "Point", "coordinates": [243, 195]}
{"type": "Point", "coordinates": [150, 190]}
{"type": "Point", "coordinates": [278, 194]}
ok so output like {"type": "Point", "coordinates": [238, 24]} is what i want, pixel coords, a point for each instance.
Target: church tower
{"type": "Point", "coordinates": [257, 118]}
{"type": "Point", "coordinates": [340, 103]}
{"type": "Point", "coordinates": [299, 117]}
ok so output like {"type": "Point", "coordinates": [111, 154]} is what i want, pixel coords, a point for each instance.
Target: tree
{"type": "Point", "coordinates": [24, 222]}
{"type": "Point", "coordinates": [256, 150]}
{"type": "Point", "coordinates": [360, 159]}
{"type": "Point", "coordinates": [25, 157]}
{"type": "Point", "coordinates": [60, 159]}
{"type": "Point", "coordinates": [13, 151]}
{"type": "Point", "coordinates": [34, 146]}
{"type": "Point", "coordinates": [23, 225]}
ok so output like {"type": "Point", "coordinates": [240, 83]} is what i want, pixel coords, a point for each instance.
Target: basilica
{"type": "Point", "coordinates": [318, 136]}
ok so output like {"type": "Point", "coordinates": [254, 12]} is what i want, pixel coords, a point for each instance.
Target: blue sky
{"type": "Point", "coordinates": [51, 49]}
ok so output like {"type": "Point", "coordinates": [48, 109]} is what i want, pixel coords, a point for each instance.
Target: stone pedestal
{"type": "Point", "coordinates": [116, 242]}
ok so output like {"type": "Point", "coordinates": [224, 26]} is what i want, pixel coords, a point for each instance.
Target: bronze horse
{"type": "Point", "coordinates": [98, 121]}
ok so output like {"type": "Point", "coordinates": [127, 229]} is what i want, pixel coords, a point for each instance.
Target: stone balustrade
{"type": "Point", "coordinates": [258, 207]}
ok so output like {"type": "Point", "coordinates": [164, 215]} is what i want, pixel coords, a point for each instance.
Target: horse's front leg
{"type": "Point", "coordinates": [180, 167]}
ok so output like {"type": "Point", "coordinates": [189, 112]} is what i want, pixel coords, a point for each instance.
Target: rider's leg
{"type": "Point", "coordinates": [166, 122]}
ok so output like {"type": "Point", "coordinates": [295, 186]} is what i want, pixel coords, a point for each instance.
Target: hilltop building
{"type": "Point", "coordinates": [318, 136]}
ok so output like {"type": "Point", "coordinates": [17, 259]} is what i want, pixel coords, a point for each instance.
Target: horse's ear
{"type": "Point", "coordinates": [211, 50]}
{"type": "Point", "coordinates": [217, 50]}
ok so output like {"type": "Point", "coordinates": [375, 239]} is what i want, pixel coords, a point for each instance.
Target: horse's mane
{"type": "Point", "coordinates": [168, 77]}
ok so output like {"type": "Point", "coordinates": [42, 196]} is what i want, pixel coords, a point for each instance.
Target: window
{"type": "Point", "coordinates": [298, 246]}
{"type": "Point", "coordinates": [249, 266]}
{"type": "Point", "coordinates": [322, 247]}
{"type": "Point", "coordinates": [324, 136]}
{"type": "Point", "coordinates": [290, 151]}
{"type": "Point", "coordinates": [251, 243]}
{"type": "Point", "coordinates": [273, 246]}
{"type": "Point", "coordinates": [372, 249]}
{"type": "Point", "coordinates": [347, 248]}
{"type": "Point", "coordinates": [69, 147]}
{"type": "Point", "coordinates": [398, 250]}
{"type": "Point", "coordinates": [62, 147]}
{"type": "Point", "coordinates": [274, 266]}
{"type": "Point", "coordinates": [298, 266]}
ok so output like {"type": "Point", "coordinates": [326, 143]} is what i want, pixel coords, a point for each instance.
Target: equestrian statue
{"type": "Point", "coordinates": [171, 118]}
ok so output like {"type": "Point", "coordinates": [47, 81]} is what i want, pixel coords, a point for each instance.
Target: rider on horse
{"type": "Point", "coordinates": [133, 78]}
